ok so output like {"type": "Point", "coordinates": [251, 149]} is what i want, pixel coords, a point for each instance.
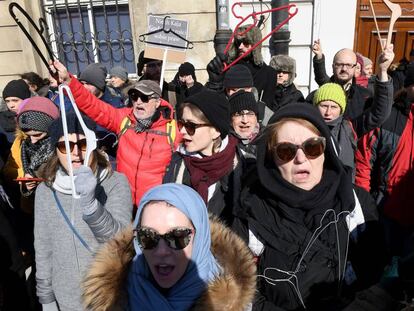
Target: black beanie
{"type": "Point", "coordinates": [238, 76]}
{"type": "Point", "coordinates": [409, 76]}
{"type": "Point", "coordinates": [242, 100]}
{"type": "Point", "coordinates": [94, 74]}
{"type": "Point", "coordinates": [55, 130]}
{"type": "Point", "coordinates": [186, 69]}
{"type": "Point", "coordinates": [16, 88]}
{"type": "Point", "coordinates": [215, 107]}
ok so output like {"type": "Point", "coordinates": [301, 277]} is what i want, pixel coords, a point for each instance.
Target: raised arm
{"type": "Point", "coordinates": [383, 99]}
{"type": "Point", "coordinates": [102, 113]}
{"type": "Point", "coordinates": [319, 68]}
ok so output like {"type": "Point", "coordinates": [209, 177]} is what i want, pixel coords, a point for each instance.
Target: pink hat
{"type": "Point", "coordinates": [37, 113]}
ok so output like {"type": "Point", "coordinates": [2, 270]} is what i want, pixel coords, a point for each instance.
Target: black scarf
{"type": "Point", "coordinates": [144, 124]}
{"type": "Point", "coordinates": [286, 218]}
{"type": "Point", "coordinates": [34, 155]}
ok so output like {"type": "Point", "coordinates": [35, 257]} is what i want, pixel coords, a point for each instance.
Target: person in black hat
{"type": "Point", "coordinates": [207, 160]}
{"type": "Point", "coordinates": [14, 93]}
{"type": "Point", "coordinates": [298, 215]}
{"type": "Point", "coordinates": [238, 78]}
{"type": "Point", "coordinates": [184, 84]}
{"type": "Point", "coordinates": [244, 120]}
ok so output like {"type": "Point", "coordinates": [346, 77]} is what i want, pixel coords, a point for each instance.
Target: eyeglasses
{"type": "Point", "coordinates": [347, 66]}
{"type": "Point", "coordinates": [135, 94]}
{"type": "Point", "coordinates": [242, 113]}
{"type": "Point", "coordinates": [81, 143]}
{"type": "Point", "coordinates": [312, 147]}
{"type": "Point", "coordinates": [189, 126]}
{"type": "Point", "coordinates": [177, 238]}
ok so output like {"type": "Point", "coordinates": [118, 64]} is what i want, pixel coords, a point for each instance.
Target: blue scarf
{"type": "Point", "coordinates": [142, 292]}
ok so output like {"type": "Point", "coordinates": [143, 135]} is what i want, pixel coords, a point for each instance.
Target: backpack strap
{"type": "Point", "coordinates": [171, 130]}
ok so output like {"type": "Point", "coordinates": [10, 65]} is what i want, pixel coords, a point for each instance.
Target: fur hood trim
{"type": "Point", "coordinates": [284, 63]}
{"type": "Point", "coordinates": [233, 289]}
{"type": "Point", "coordinates": [253, 36]}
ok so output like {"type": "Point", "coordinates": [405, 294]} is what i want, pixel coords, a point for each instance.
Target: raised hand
{"type": "Point", "coordinates": [317, 49]}
{"type": "Point", "coordinates": [64, 75]}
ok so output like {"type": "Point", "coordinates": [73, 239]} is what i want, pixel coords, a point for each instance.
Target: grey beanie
{"type": "Point", "coordinates": [94, 74]}
{"type": "Point", "coordinates": [284, 63]}
{"type": "Point", "coordinates": [119, 72]}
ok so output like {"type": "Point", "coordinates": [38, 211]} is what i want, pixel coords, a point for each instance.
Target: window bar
{"type": "Point", "coordinates": [121, 35]}
{"type": "Point", "coordinates": [108, 35]}
{"type": "Point", "coordinates": [52, 38]}
{"type": "Point", "coordinates": [58, 31]}
{"type": "Point", "coordinates": [83, 34]}
{"type": "Point", "coordinates": [72, 42]}
{"type": "Point", "coordinates": [92, 26]}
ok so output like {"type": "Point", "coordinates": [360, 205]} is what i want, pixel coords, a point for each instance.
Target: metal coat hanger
{"type": "Point", "coordinates": [189, 44]}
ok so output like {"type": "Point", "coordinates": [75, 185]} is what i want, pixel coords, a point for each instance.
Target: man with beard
{"type": "Point", "coordinates": [264, 77]}
{"type": "Point", "coordinates": [343, 66]}
{"type": "Point", "coordinates": [150, 69]}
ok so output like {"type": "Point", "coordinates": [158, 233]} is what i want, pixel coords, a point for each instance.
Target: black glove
{"type": "Point", "coordinates": [215, 68]}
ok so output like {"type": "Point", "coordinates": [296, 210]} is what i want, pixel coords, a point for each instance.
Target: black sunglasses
{"type": "Point", "coordinates": [312, 147]}
{"type": "Point", "coordinates": [177, 238]}
{"type": "Point", "coordinates": [189, 126]}
{"type": "Point", "coordinates": [135, 94]}
{"type": "Point", "coordinates": [80, 143]}
{"type": "Point", "coordinates": [239, 41]}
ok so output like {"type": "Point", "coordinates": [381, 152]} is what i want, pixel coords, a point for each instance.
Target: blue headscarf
{"type": "Point", "coordinates": [142, 292]}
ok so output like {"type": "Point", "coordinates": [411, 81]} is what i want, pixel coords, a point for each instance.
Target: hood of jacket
{"type": "Point", "coordinates": [233, 289]}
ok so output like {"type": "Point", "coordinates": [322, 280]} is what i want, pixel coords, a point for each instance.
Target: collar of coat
{"type": "Point", "coordinates": [233, 289]}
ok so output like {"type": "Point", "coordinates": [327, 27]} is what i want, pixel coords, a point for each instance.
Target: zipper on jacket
{"type": "Point", "coordinates": [150, 147]}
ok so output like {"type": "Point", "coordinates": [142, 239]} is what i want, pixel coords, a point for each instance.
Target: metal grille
{"type": "Point", "coordinates": [85, 31]}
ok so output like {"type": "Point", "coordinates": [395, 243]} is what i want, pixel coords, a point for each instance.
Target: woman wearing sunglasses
{"type": "Point", "coordinates": [171, 260]}
{"type": "Point", "coordinates": [303, 219]}
{"type": "Point", "coordinates": [69, 230]}
{"type": "Point", "coordinates": [207, 160]}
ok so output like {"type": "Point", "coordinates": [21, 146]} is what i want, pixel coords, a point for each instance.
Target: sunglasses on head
{"type": "Point", "coordinates": [177, 238]}
{"type": "Point", "coordinates": [81, 143]}
{"type": "Point", "coordinates": [189, 126]}
{"type": "Point", "coordinates": [312, 148]}
{"type": "Point", "coordinates": [134, 95]}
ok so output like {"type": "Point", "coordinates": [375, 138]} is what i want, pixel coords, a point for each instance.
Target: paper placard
{"type": "Point", "coordinates": [158, 42]}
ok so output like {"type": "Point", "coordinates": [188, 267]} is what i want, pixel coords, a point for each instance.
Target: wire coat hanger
{"type": "Point", "coordinates": [189, 44]}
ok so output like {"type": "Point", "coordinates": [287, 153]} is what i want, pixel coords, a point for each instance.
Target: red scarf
{"type": "Point", "coordinates": [206, 171]}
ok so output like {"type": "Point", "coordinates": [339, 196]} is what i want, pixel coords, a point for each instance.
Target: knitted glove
{"type": "Point", "coordinates": [50, 306]}
{"type": "Point", "coordinates": [85, 184]}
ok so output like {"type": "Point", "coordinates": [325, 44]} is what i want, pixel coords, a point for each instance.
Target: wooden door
{"type": "Point", "coordinates": [366, 37]}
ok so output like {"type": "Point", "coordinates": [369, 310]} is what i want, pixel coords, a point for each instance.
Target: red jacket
{"type": "Point", "coordinates": [142, 157]}
{"type": "Point", "coordinates": [384, 164]}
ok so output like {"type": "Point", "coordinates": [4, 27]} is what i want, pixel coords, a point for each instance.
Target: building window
{"type": "Point", "coordinates": [84, 32]}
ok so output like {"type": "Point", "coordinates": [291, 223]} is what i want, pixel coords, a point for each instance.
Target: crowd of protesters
{"type": "Point", "coordinates": [240, 194]}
